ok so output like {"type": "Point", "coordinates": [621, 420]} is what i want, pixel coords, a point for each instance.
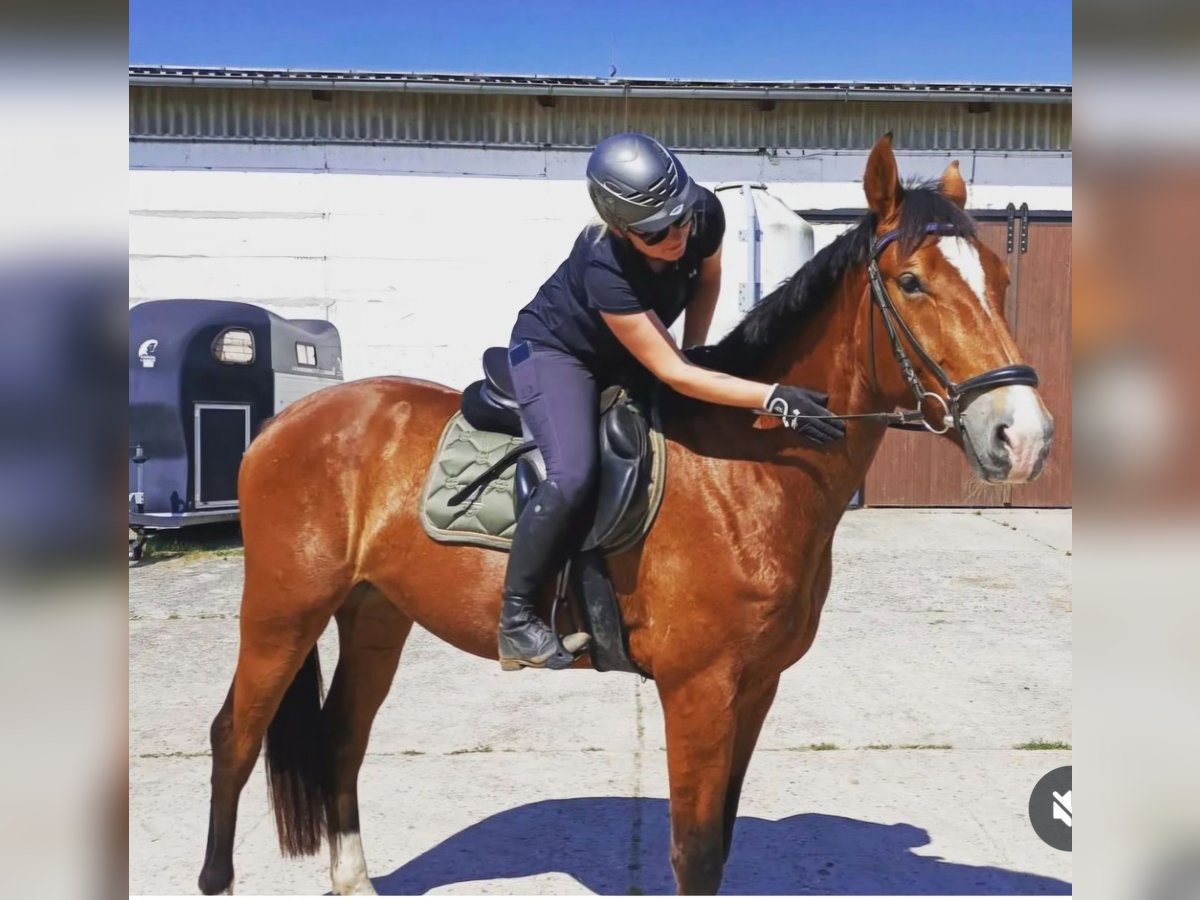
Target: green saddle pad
{"type": "Point", "coordinates": [488, 518]}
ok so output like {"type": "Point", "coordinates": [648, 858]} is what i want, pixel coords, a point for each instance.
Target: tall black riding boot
{"type": "Point", "coordinates": [537, 549]}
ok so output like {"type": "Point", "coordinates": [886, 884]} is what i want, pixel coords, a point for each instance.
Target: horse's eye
{"type": "Point", "coordinates": [909, 283]}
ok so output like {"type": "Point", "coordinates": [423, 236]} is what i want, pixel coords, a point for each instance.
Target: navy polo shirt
{"type": "Point", "coordinates": [609, 275]}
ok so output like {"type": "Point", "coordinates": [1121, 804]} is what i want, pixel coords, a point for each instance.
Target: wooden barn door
{"type": "Point", "coordinates": [1042, 328]}
{"type": "Point", "coordinates": [917, 469]}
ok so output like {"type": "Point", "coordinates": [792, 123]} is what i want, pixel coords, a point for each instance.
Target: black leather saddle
{"type": "Point", "coordinates": [622, 498]}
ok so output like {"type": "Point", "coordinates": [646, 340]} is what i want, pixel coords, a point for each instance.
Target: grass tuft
{"type": "Point", "coordinates": [1043, 745]}
{"type": "Point", "coordinates": [176, 754]}
{"type": "Point", "coordinates": [219, 540]}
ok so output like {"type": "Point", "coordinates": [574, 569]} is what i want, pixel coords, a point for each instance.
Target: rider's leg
{"type": "Point", "coordinates": [559, 404]}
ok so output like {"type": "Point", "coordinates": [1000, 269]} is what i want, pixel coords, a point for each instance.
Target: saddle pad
{"type": "Point", "coordinates": [488, 518]}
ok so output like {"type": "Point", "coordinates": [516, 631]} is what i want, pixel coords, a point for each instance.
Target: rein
{"type": "Point", "coordinates": [1005, 376]}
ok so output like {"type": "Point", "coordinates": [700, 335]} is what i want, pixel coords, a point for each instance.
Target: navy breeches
{"type": "Point", "coordinates": [559, 401]}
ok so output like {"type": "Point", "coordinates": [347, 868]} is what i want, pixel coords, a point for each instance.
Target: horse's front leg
{"type": "Point", "coordinates": [701, 720]}
{"type": "Point", "coordinates": [753, 706]}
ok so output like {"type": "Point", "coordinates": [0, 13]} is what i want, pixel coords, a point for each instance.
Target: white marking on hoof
{"type": "Point", "coordinates": [348, 867]}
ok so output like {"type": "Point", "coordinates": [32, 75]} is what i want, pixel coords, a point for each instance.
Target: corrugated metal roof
{"type": "Point", "coordinates": [555, 85]}
{"type": "Point", "coordinates": [498, 120]}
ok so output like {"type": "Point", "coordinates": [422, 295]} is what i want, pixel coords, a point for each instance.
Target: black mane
{"type": "Point", "coordinates": [790, 306]}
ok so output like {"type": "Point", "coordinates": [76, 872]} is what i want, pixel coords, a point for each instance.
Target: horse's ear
{"type": "Point", "coordinates": [953, 186]}
{"type": "Point", "coordinates": [882, 180]}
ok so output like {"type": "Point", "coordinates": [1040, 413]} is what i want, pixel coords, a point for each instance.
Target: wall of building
{"type": "Point", "coordinates": [472, 116]}
{"type": "Point", "coordinates": [423, 256]}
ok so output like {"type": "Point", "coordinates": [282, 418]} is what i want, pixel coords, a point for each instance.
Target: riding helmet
{"type": "Point", "coordinates": [636, 183]}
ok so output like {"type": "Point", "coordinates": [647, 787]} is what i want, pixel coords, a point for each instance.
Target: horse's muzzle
{"type": "Point", "coordinates": [1007, 434]}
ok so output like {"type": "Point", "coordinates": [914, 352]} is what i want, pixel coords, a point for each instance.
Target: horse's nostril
{"type": "Point", "coordinates": [1001, 435]}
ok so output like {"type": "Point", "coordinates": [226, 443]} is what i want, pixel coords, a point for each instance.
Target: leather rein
{"type": "Point", "coordinates": [894, 324]}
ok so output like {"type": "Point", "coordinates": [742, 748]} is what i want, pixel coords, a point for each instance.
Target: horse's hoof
{"type": "Point", "coordinates": [362, 888]}
{"type": "Point", "coordinates": [207, 883]}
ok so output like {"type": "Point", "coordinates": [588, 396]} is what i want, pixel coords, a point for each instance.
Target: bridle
{"type": "Point", "coordinates": [1005, 376]}
{"type": "Point", "coordinates": [914, 419]}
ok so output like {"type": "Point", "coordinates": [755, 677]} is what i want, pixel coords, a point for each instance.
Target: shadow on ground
{"type": "Point", "coordinates": [593, 841]}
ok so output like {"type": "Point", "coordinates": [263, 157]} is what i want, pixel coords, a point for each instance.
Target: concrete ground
{"type": "Point", "coordinates": [888, 764]}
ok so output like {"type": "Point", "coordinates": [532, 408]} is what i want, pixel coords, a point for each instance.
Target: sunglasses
{"type": "Point", "coordinates": [657, 237]}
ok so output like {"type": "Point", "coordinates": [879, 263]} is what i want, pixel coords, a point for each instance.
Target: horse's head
{"type": "Point", "coordinates": [947, 291]}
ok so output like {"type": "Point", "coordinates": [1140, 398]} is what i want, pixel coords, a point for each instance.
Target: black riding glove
{"type": "Point", "coordinates": [791, 402]}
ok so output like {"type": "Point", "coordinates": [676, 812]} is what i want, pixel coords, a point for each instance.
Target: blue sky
{"type": "Point", "coordinates": [913, 40]}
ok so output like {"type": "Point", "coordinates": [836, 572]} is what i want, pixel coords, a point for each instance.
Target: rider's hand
{"type": "Point", "coordinates": [791, 402]}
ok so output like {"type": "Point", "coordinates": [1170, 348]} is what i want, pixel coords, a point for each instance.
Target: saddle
{"type": "Point", "coordinates": [489, 435]}
{"type": "Point", "coordinates": [623, 498]}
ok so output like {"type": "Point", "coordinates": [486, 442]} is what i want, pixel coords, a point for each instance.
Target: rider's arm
{"type": "Point", "coordinates": [699, 313]}
{"type": "Point", "coordinates": [651, 344]}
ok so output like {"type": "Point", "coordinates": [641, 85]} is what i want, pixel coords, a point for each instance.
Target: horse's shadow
{"type": "Point", "coordinates": [619, 845]}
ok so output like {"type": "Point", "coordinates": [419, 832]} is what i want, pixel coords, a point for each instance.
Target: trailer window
{"type": "Point", "coordinates": [234, 346]}
{"type": "Point", "coordinates": [306, 354]}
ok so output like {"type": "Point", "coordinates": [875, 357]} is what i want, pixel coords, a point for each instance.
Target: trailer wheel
{"type": "Point", "coordinates": [137, 544]}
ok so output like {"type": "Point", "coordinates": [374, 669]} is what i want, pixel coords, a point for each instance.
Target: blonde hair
{"type": "Point", "coordinates": [598, 228]}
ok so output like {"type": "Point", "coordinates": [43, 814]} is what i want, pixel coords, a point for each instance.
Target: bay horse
{"type": "Point", "coordinates": [329, 504]}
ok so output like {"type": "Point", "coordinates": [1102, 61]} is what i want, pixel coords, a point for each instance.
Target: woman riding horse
{"type": "Point", "coordinates": [656, 254]}
{"type": "Point", "coordinates": [720, 597]}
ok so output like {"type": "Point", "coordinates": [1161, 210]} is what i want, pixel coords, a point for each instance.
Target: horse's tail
{"type": "Point", "coordinates": [298, 763]}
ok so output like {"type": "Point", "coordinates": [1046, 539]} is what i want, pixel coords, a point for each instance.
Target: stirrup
{"type": "Point", "coordinates": [565, 652]}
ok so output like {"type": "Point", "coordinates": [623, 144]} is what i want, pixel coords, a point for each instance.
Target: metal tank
{"type": "Point", "coordinates": [765, 243]}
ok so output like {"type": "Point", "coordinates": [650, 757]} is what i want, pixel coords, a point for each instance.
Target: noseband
{"type": "Point", "coordinates": [1005, 376]}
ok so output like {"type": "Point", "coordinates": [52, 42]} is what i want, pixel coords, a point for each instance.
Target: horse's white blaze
{"type": "Point", "coordinates": [1026, 436]}
{"type": "Point", "coordinates": [961, 254]}
{"type": "Point", "coordinates": [349, 866]}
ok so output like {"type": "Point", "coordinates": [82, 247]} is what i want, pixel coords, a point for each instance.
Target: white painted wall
{"type": "Point", "coordinates": [420, 273]}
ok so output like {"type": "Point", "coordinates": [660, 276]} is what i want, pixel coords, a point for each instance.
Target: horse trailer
{"type": "Point", "coordinates": [204, 376]}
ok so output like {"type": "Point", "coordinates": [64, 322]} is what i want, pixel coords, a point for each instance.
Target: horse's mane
{"type": "Point", "coordinates": [792, 305]}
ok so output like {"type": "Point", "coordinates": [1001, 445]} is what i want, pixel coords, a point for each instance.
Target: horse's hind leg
{"type": "Point", "coordinates": [371, 633]}
{"type": "Point", "coordinates": [276, 657]}
{"type": "Point", "coordinates": [227, 781]}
